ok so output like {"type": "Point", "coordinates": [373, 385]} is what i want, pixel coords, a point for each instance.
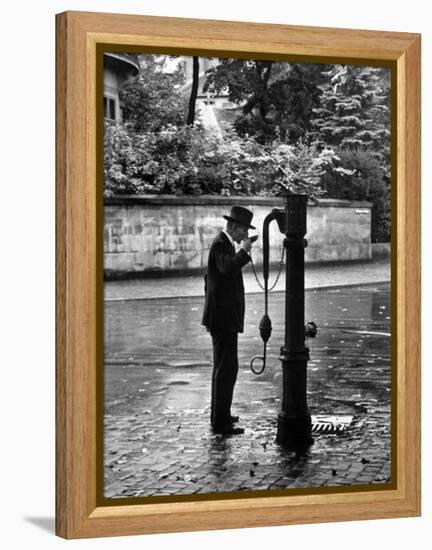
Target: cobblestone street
{"type": "Point", "coordinates": [158, 360]}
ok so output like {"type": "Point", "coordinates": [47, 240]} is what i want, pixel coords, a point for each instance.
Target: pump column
{"type": "Point", "coordinates": [294, 421]}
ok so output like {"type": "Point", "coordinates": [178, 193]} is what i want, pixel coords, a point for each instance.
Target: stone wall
{"type": "Point", "coordinates": [166, 234]}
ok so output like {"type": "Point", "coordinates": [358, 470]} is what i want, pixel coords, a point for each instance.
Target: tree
{"type": "Point", "coordinates": [361, 176]}
{"type": "Point", "coordinates": [354, 118]}
{"type": "Point", "coordinates": [277, 98]}
{"type": "Point", "coordinates": [194, 90]}
{"type": "Point", "coordinates": [150, 100]}
{"type": "Point", "coordinates": [354, 111]}
{"type": "Point", "coordinates": [299, 168]}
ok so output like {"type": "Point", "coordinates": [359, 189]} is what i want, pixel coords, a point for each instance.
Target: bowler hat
{"type": "Point", "coordinates": [240, 215]}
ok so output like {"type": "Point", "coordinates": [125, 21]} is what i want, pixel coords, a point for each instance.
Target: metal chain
{"type": "Point", "coordinates": [281, 261]}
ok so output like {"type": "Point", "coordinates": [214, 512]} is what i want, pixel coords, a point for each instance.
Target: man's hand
{"type": "Point", "coordinates": [246, 245]}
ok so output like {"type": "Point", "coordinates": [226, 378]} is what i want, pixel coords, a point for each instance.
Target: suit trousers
{"type": "Point", "coordinates": [225, 370]}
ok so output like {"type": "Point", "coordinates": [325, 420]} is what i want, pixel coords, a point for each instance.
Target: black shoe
{"type": "Point", "coordinates": [234, 419]}
{"type": "Point", "coordinates": [229, 429]}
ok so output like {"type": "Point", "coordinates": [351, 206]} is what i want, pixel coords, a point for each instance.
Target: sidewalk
{"type": "Point", "coordinates": [316, 276]}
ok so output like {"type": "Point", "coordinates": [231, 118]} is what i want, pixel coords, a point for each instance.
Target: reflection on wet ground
{"type": "Point", "coordinates": [157, 375]}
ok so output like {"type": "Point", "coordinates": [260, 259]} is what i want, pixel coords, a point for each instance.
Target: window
{"type": "Point", "coordinates": [109, 108]}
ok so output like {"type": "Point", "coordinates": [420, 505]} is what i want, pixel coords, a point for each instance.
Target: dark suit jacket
{"type": "Point", "coordinates": [224, 307]}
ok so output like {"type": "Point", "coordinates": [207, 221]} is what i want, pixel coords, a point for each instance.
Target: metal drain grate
{"type": "Point", "coordinates": [322, 423]}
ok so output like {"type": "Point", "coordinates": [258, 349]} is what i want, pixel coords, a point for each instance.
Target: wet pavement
{"type": "Point", "coordinates": [322, 275]}
{"type": "Point", "coordinates": [158, 360]}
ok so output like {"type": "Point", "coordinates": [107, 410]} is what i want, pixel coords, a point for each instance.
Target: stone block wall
{"type": "Point", "coordinates": [165, 234]}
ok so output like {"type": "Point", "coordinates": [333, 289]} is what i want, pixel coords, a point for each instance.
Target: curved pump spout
{"type": "Point", "coordinates": [265, 326]}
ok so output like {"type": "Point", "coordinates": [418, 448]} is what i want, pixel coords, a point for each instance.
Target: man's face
{"type": "Point", "coordinates": [240, 232]}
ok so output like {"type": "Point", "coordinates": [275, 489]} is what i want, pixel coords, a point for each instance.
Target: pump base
{"type": "Point", "coordinates": [294, 432]}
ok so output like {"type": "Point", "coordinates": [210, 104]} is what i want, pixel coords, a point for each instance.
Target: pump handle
{"type": "Point", "coordinates": [263, 359]}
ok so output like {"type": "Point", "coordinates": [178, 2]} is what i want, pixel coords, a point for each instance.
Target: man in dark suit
{"type": "Point", "coordinates": [224, 311]}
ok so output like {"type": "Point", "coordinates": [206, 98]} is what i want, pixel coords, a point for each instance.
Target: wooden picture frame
{"type": "Point", "coordinates": [79, 249]}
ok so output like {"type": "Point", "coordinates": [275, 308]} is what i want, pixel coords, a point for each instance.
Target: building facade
{"type": "Point", "coordinates": [118, 67]}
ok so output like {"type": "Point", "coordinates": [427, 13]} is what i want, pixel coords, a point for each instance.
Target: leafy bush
{"type": "Point", "coordinates": [151, 100]}
{"type": "Point", "coordinates": [361, 176]}
{"type": "Point", "coordinates": [161, 162]}
{"type": "Point", "coordinates": [187, 160]}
